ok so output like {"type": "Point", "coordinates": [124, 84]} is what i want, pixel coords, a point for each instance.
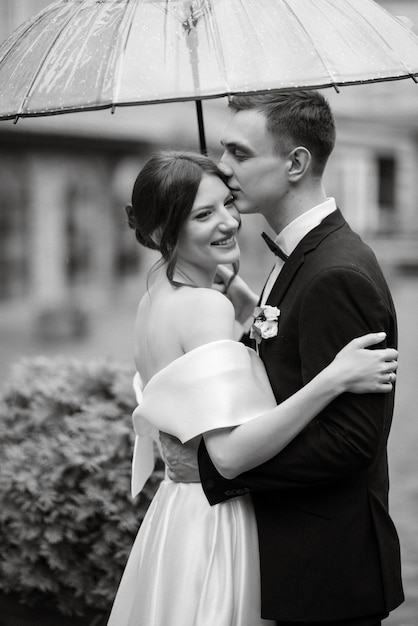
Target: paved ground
{"type": "Point", "coordinates": [111, 337]}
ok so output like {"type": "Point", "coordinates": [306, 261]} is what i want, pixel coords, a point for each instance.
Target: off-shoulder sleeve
{"type": "Point", "coordinates": [218, 385]}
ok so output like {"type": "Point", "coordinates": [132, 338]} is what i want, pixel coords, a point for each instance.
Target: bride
{"type": "Point", "coordinates": [193, 564]}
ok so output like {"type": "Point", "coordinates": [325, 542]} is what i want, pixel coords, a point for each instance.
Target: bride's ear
{"type": "Point", "coordinates": [131, 217]}
{"type": "Point", "coordinates": [300, 160]}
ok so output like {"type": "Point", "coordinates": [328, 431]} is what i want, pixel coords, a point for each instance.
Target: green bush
{"type": "Point", "coordinates": [67, 521]}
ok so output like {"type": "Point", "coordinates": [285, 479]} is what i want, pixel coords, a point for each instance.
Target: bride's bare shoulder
{"type": "Point", "coordinates": [204, 298]}
{"type": "Point", "coordinates": [203, 315]}
{"type": "Point", "coordinates": [188, 303]}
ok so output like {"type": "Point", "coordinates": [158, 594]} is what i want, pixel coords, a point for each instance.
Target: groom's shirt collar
{"type": "Point", "coordinates": [294, 232]}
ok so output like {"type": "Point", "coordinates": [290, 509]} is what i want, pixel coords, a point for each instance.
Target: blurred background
{"type": "Point", "coordinates": [71, 272]}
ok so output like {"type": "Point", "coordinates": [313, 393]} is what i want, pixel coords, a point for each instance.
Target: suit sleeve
{"type": "Point", "coordinates": [339, 305]}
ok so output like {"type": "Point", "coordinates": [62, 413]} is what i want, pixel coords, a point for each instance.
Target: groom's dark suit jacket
{"type": "Point", "coordinates": [328, 547]}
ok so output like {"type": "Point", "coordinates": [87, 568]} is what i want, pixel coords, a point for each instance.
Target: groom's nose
{"type": "Point", "coordinates": [223, 165]}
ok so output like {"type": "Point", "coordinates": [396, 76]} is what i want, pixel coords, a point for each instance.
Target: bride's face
{"type": "Point", "coordinates": [207, 238]}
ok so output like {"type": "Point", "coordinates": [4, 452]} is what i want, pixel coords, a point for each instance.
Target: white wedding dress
{"type": "Point", "coordinates": [193, 564]}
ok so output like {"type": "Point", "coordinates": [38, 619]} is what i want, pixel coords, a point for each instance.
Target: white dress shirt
{"type": "Point", "coordinates": [293, 233]}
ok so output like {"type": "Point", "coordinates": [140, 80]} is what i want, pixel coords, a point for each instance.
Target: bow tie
{"type": "Point", "coordinates": [274, 247]}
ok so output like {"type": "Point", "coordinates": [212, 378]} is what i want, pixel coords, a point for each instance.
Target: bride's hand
{"type": "Point", "coordinates": [366, 371]}
{"type": "Point", "coordinates": [237, 291]}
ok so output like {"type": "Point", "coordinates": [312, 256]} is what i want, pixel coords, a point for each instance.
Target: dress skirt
{"type": "Point", "coordinates": [192, 564]}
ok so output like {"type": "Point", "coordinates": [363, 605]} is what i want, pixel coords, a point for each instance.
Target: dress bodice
{"type": "Point", "coordinates": [180, 458]}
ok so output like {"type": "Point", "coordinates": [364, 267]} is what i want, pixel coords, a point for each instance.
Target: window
{"type": "Point", "coordinates": [14, 229]}
{"type": "Point", "coordinates": [386, 172]}
{"type": "Point", "coordinates": [79, 223]}
{"type": "Point", "coordinates": [387, 179]}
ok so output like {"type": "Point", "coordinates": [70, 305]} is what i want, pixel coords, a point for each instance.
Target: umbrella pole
{"type": "Point", "coordinates": [202, 138]}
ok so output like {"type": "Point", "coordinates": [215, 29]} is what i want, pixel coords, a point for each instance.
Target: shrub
{"type": "Point", "coordinates": [67, 521]}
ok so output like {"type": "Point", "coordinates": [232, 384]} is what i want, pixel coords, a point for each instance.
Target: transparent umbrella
{"type": "Point", "coordinates": [80, 55]}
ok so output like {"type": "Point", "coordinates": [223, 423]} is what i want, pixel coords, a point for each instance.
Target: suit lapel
{"type": "Point", "coordinates": [332, 222]}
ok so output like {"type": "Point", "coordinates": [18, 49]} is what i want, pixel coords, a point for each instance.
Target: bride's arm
{"type": "Point", "coordinates": [233, 451]}
{"type": "Point", "coordinates": [355, 369]}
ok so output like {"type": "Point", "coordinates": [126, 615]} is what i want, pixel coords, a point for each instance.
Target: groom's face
{"type": "Point", "coordinates": [258, 173]}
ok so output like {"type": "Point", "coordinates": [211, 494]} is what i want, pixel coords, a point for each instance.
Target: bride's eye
{"type": "Point", "coordinates": [202, 215]}
{"type": "Point", "coordinates": [229, 202]}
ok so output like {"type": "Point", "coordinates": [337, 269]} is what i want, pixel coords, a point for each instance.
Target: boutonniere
{"type": "Point", "coordinates": [266, 323]}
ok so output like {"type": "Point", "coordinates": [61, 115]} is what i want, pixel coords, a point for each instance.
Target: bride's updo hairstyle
{"type": "Point", "coordinates": [162, 198]}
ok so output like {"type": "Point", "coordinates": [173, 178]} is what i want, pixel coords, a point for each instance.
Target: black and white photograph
{"type": "Point", "coordinates": [208, 305]}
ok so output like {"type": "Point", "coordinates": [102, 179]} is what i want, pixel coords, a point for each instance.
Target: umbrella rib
{"type": "Point", "coordinates": [24, 29]}
{"type": "Point", "coordinates": [42, 63]}
{"type": "Point", "coordinates": [253, 28]}
{"type": "Point", "coordinates": [109, 48]}
{"type": "Point", "coordinates": [385, 43]}
{"type": "Point", "coordinates": [329, 72]}
{"type": "Point", "coordinates": [127, 15]}
{"type": "Point", "coordinates": [212, 27]}
{"type": "Point", "coordinates": [83, 45]}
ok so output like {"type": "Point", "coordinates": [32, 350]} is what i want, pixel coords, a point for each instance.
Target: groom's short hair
{"type": "Point", "coordinates": [299, 117]}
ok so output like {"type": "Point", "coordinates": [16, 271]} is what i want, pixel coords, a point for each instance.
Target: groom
{"type": "Point", "coordinates": [329, 551]}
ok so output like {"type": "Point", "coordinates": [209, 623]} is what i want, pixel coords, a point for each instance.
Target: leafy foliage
{"type": "Point", "coordinates": [67, 521]}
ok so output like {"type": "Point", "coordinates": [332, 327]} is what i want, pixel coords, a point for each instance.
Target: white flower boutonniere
{"type": "Point", "coordinates": [266, 323]}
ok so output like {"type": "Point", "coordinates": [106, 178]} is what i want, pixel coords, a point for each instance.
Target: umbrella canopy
{"type": "Point", "coordinates": [78, 55]}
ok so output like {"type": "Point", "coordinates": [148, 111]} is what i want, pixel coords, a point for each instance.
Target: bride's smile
{"type": "Point", "coordinates": [227, 241]}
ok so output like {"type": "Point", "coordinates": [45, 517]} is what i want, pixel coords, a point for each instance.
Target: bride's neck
{"type": "Point", "coordinates": [193, 276]}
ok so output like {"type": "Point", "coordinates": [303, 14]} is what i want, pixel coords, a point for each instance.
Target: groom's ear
{"type": "Point", "coordinates": [299, 161]}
